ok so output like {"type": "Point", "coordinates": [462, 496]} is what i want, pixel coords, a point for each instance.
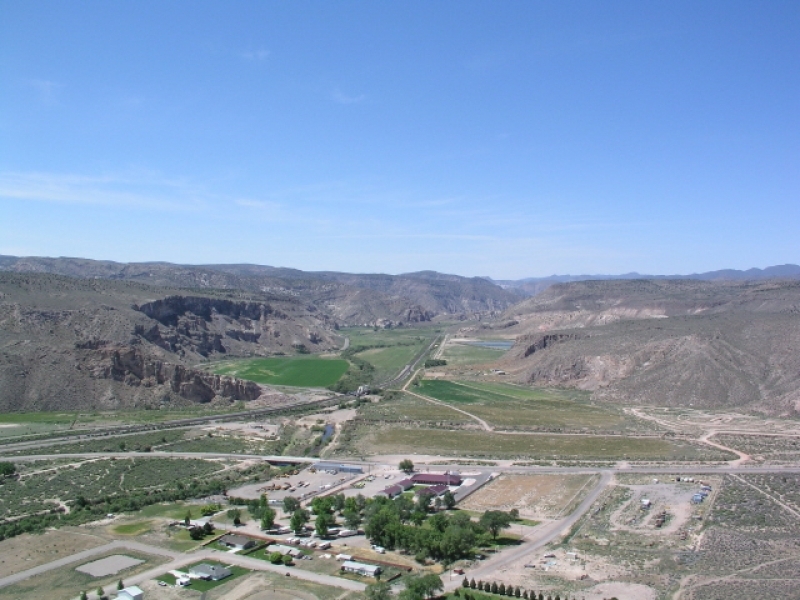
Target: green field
{"type": "Point", "coordinates": [398, 440]}
{"type": "Point", "coordinates": [405, 407]}
{"type": "Point", "coordinates": [515, 407]}
{"type": "Point", "coordinates": [464, 354]}
{"type": "Point", "coordinates": [295, 371]}
{"type": "Point", "coordinates": [388, 350]}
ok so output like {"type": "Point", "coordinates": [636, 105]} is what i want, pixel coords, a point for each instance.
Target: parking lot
{"type": "Point", "coordinates": [306, 484]}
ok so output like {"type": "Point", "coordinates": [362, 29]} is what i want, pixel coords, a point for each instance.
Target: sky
{"type": "Point", "coordinates": [495, 138]}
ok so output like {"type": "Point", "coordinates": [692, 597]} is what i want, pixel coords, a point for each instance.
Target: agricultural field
{"type": "Point", "coordinates": [483, 444]}
{"type": "Point", "coordinates": [461, 354]}
{"type": "Point", "coordinates": [294, 371]}
{"type": "Point", "coordinates": [534, 496]}
{"type": "Point", "coordinates": [388, 350]}
{"type": "Point", "coordinates": [515, 407]}
{"type": "Point", "coordinates": [401, 407]}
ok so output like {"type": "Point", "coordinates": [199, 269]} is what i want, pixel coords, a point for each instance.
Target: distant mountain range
{"type": "Point", "coordinates": [531, 286]}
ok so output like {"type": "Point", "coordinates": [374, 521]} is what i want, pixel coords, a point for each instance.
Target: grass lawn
{"type": "Point", "coordinates": [296, 371]}
{"type": "Point", "coordinates": [135, 528]}
{"type": "Point", "coordinates": [173, 510]}
{"type": "Point", "coordinates": [201, 585]}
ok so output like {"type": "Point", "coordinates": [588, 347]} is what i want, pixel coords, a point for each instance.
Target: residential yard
{"type": "Point", "coordinates": [66, 582]}
{"type": "Point", "coordinates": [270, 586]}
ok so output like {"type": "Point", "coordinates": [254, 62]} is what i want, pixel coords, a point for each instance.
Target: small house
{"type": "Point", "coordinates": [351, 566]}
{"type": "Point", "coordinates": [237, 542]}
{"type": "Point", "coordinates": [132, 592]}
{"type": "Point", "coordinates": [210, 572]}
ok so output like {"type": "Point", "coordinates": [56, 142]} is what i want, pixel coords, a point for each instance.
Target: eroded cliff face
{"type": "Point", "coordinates": [129, 366]}
{"type": "Point", "coordinates": [204, 326]}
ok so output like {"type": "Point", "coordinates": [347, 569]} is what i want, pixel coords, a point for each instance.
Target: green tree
{"type": "Point", "coordinates": [378, 591]}
{"type": "Point", "coordinates": [324, 520]}
{"type": "Point", "coordinates": [100, 592]}
{"type": "Point", "coordinates": [422, 586]}
{"type": "Point", "coordinates": [84, 596]}
{"type": "Point", "coordinates": [208, 528]}
{"type": "Point", "coordinates": [449, 500]}
{"type": "Point", "coordinates": [196, 533]}
{"type": "Point", "coordinates": [286, 560]}
{"type": "Point", "coordinates": [406, 466]}
{"type": "Point", "coordinates": [7, 469]}
{"type": "Point", "coordinates": [268, 515]}
{"type": "Point", "coordinates": [275, 557]}
{"type": "Point", "coordinates": [235, 515]}
{"type": "Point", "coordinates": [338, 502]}
{"type": "Point", "coordinates": [352, 518]}
{"type": "Point", "coordinates": [299, 519]}
{"type": "Point", "coordinates": [120, 585]}
{"type": "Point", "coordinates": [494, 521]}
{"type": "Point", "coordinates": [188, 518]}
{"type": "Point", "coordinates": [290, 505]}
{"type": "Point", "coordinates": [424, 501]}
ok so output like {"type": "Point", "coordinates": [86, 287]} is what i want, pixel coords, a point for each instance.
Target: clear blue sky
{"type": "Point", "coordinates": [508, 139]}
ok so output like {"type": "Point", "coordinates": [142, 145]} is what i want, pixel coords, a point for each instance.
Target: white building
{"type": "Point", "coordinates": [351, 566]}
{"type": "Point", "coordinates": [133, 592]}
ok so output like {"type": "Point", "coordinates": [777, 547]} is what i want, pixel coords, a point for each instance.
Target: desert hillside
{"type": "Point", "coordinates": [668, 343]}
{"type": "Point", "coordinates": [90, 343]}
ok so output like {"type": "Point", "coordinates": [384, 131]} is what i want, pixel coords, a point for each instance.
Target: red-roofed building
{"type": "Point", "coordinates": [436, 479]}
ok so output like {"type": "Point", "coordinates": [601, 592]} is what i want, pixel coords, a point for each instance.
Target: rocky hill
{"type": "Point", "coordinates": [668, 343]}
{"type": "Point", "coordinates": [93, 343]}
{"type": "Point", "coordinates": [350, 298]}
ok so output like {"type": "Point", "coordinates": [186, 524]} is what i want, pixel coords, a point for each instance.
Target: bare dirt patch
{"type": "Point", "coordinates": [27, 551]}
{"type": "Point", "coordinates": [110, 565]}
{"type": "Point", "coordinates": [534, 496]}
{"type": "Point", "coordinates": [630, 591]}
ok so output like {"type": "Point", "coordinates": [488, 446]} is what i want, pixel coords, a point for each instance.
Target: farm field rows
{"type": "Point", "coordinates": [458, 355]}
{"type": "Point", "coordinates": [509, 406]}
{"type": "Point", "coordinates": [482, 444]}
{"type": "Point", "coordinates": [405, 407]}
{"type": "Point", "coordinates": [388, 350]}
{"type": "Point", "coordinates": [295, 371]}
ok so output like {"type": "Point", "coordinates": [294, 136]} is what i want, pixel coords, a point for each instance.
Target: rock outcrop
{"type": "Point", "coordinates": [131, 367]}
